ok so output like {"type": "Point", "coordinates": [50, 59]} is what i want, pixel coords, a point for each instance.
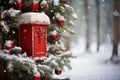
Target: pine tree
{"type": "Point", "coordinates": [16, 65]}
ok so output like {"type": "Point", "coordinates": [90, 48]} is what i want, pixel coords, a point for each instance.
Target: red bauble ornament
{"type": "Point", "coordinates": [8, 45]}
{"type": "Point", "coordinates": [19, 3]}
{"type": "Point", "coordinates": [54, 35]}
{"type": "Point", "coordinates": [36, 78]}
{"type": "Point", "coordinates": [60, 20]}
{"type": "Point", "coordinates": [58, 71]}
{"type": "Point", "coordinates": [34, 5]}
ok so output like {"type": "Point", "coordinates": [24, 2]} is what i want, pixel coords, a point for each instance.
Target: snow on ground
{"type": "Point", "coordinates": [93, 66]}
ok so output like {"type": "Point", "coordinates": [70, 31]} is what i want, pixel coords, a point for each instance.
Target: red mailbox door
{"type": "Point", "coordinates": [40, 41]}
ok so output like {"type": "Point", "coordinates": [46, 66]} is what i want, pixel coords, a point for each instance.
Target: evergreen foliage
{"type": "Point", "coordinates": [16, 65]}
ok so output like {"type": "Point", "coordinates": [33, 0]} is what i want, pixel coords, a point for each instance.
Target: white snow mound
{"type": "Point", "coordinates": [32, 17]}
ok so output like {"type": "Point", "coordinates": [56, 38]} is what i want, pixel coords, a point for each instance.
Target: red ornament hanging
{"type": "Point", "coordinates": [34, 5]}
{"type": "Point", "coordinates": [8, 45]}
{"type": "Point", "coordinates": [54, 35]}
{"type": "Point", "coordinates": [36, 78]}
{"type": "Point", "coordinates": [19, 3]}
{"type": "Point", "coordinates": [58, 71]}
{"type": "Point", "coordinates": [61, 20]}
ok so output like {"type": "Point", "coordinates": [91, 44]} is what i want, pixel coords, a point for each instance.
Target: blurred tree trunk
{"type": "Point", "coordinates": [116, 28]}
{"type": "Point", "coordinates": [87, 29]}
{"type": "Point", "coordinates": [98, 25]}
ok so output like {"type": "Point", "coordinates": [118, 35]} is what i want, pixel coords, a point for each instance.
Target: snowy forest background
{"type": "Point", "coordinates": [96, 42]}
{"type": "Point", "coordinates": [95, 24]}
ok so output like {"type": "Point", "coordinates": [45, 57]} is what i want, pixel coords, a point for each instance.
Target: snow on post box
{"type": "Point", "coordinates": [33, 33]}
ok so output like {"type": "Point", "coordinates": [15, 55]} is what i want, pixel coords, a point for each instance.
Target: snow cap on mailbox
{"type": "Point", "coordinates": [32, 17]}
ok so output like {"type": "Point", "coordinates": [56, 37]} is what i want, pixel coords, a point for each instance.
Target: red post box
{"type": "Point", "coordinates": [33, 33]}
